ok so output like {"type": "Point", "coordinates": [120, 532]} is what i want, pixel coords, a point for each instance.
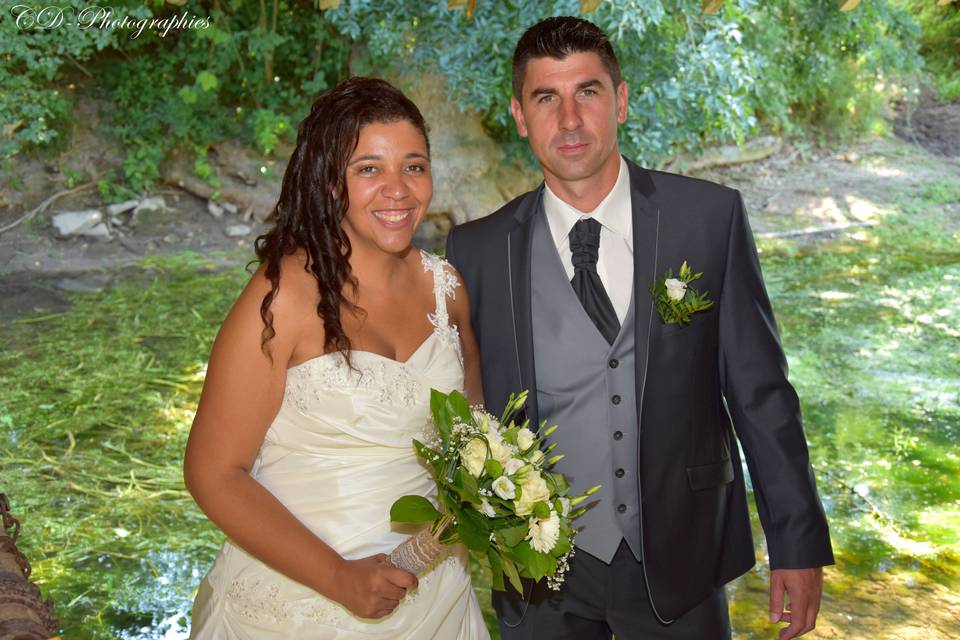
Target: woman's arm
{"type": "Point", "coordinates": [241, 396]}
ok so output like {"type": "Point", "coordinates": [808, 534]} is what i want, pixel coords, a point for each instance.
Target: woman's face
{"type": "Point", "coordinates": [389, 186]}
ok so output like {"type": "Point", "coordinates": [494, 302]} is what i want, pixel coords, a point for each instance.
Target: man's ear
{"type": "Point", "coordinates": [623, 96]}
{"type": "Point", "coordinates": [517, 112]}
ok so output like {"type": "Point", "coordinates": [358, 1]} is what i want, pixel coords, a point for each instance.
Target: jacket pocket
{"type": "Point", "coordinates": [710, 475]}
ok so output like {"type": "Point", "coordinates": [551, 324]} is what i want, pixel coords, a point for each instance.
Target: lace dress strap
{"type": "Point", "coordinates": [444, 285]}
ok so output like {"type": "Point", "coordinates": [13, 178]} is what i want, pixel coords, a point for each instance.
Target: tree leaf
{"type": "Point", "coordinates": [847, 5]}
{"type": "Point", "coordinates": [414, 510]}
{"type": "Point", "coordinates": [588, 6]}
{"type": "Point", "coordinates": [712, 6]}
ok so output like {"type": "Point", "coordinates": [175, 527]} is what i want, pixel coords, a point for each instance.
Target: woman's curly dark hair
{"type": "Point", "coordinates": [314, 199]}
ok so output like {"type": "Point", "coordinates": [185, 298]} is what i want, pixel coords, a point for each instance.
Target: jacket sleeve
{"type": "Point", "coordinates": [449, 252]}
{"type": "Point", "coordinates": [766, 411]}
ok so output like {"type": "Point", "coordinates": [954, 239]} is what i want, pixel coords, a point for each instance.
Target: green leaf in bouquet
{"type": "Point", "coordinates": [510, 435]}
{"type": "Point", "coordinates": [472, 529]}
{"type": "Point", "coordinates": [458, 406]}
{"type": "Point", "coordinates": [493, 468]}
{"type": "Point", "coordinates": [541, 509]}
{"type": "Point", "coordinates": [536, 565]}
{"type": "Point", "coordinates": [513, 575]}
{"type": "Point", "coordinates": [556, 482]}
{"type": "Point", "coordinates": [431, 456]}
{"type": "Point", "coordinates": [413, 509]}
{"type": "Point", "coordinates": [442, 418]}
{"type": "Point", "coordinates": [496, 570]}
{"type": "Point", "coordinates": [514, 403]}
{"type": "Point", "coordinates": [466, 485]}
{"type": "Point", "coordinates": [512, 536]}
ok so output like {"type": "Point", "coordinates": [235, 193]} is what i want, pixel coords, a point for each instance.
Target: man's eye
{"type": "Point", "coordinates": [368, 169]}
{"type": "Point", "coordinates": [546, 98]}
{"type": "Point", "coordinates": [416, 168]}
{"type": "Point", "coordinates": [588, 92]}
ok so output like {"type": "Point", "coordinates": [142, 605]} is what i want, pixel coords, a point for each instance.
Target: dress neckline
{"type": "Point", "coordinates": [353, 352]}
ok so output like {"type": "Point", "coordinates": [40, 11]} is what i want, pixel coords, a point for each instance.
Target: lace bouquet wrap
{"type": "Point", "coordinates": [495, 494]}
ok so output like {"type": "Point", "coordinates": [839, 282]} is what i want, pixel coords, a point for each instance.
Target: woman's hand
{"type": "Point", "coordinates": [371, 587]}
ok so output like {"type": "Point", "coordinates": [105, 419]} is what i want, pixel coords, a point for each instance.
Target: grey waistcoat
{"type": "Point", "coordinates": [588, 388]}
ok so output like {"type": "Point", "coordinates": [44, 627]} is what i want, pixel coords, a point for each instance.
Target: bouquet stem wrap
{"type": "Point", "coordinates": [417, 552]}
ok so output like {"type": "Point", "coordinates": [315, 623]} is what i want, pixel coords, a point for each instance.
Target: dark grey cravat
{"type": "Point", "coordinates": [585, 246]}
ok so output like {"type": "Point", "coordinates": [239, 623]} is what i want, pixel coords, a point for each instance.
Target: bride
{"type": "Point", "coordinates": [317, 383]}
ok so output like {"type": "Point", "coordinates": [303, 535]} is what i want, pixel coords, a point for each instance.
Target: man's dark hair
{"type": "Point", "coordinates": [557, 38]}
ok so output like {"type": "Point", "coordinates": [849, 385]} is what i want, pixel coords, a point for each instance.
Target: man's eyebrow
{"type": "Point", "coordinates": [590, 84]}
{"type": "Point", "coordinates": [417, 154]}
{"type": "Point", "coordinates": [551, 91]}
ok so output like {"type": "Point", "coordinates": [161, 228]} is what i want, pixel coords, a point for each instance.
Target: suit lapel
{"type": "Point", "coordinates": [646, 229]}
{"type": "Point", "coordinates": [519, 251]}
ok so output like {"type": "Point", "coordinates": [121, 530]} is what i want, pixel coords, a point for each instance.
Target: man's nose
{"type": "Point", "coordinates": [570, 119]}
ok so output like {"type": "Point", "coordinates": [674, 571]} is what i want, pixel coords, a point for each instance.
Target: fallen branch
{"type": "Point", "coordinates": [810, 231]}
{"type": "Point", "coordinates": [751, 151]}
{"type": "Point", "coordinates": [43, 206]}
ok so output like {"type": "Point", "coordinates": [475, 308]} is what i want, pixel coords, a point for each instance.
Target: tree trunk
{"type": "Point", "coordinates": [23, 615]}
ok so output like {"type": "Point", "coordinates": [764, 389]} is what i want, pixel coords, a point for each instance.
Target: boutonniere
{"type": "Point", "coordinates": [676, 300]}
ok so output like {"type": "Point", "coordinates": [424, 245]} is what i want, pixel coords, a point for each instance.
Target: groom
{"type": "Point", "coordinates": [558, 281]}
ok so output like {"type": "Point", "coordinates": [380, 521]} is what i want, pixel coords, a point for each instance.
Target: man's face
{"type": "Point", "coordinates": [570, 111]}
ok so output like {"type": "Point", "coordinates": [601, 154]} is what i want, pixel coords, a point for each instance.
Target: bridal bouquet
{"type": "Point", "coordinates": [495, 492]}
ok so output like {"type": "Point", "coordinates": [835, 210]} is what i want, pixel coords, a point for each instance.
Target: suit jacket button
{"type": "Point", "coordinates": [619, 473]}
{"type": "Point", "coordinates": [617, 435]}
{"type": "Point", "coordinates": [615, 399]}
{"type": "Point", "coordinates": [614, 363]}
{"type": "Point", "coordinates": [621, 508]}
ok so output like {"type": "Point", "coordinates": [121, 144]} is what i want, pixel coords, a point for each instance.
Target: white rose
{"type": "Point", "coordinates": [525, 439]}
{"type": "Point", "coordinates": [676, 289]}
{"type": "Point", "coordinates": [487, 509]}
{"type": "Point", "coordinates": [504, 488]}
{"type": "Point", "coordinates": [474, 454]}
{"type": "Point", "coordinates": [543, 533]}
{"type": "Point", "coordinates": [533, 489]}
{"type": "Point", "coordinates": [499, 450]}
{"type": "Point", "coordinates": [536, 456]}
{"type": "Point", "coordinates": [512, 466]}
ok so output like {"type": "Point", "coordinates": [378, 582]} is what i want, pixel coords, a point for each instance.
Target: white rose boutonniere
{"type": "Point", "coordinates": [675, 299]}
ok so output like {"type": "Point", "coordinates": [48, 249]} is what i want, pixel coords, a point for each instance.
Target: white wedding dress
{"type": "Point", "coordinates": [337, 455]}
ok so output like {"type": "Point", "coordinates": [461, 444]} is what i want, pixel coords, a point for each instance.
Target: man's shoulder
{"type": "Point", "coordinates": [664, 181]}
{"type": "Point", "coordinates": [497, 223]}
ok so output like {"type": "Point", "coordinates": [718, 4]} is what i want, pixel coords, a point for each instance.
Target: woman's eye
{"type": "Point", "coordinates": [367, 170]}
{"type": "Point", "coordinates": [417, 168]}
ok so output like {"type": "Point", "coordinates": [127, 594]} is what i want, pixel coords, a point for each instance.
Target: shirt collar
{"type": "Point", "coordinates": [613, 212]}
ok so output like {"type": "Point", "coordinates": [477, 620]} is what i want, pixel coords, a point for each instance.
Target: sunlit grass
{"type": "Point", "coordinates": [97, 403]}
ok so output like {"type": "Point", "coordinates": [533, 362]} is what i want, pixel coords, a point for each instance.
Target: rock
{"type": "Point", "coordinates": [171, 238]}
{"type": "Point", "coordinates": [470, 179]}
{"type": "Point", "coordinates": [247, 179]}
{"type": "Point", "coordinates": [432, 233]}
{"type": "Point", "coordinates": [214, 209]}
{"type": "Point", "coordinates": [121, 207]}
{"type": "Point", "coordinates": [88, 222]}
{"type": "Point", "coordinates": [84, 283]}
{"type": "Point", "coordinates": [236, 230]}
{"type": "Point", "coordinates": [156, 203]}
{"type": "Point", "coordinates": [229, 207]}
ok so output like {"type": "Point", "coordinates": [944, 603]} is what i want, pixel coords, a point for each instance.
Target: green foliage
{"type": "Point", "coordinates": [939, 43]}
{"type": "Point", "coordinates": [250, 70]}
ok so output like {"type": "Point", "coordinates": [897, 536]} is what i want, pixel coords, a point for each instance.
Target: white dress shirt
{"type": "Point", "coordinates": [615, 265]}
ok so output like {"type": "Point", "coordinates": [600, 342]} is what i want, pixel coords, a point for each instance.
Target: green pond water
{"type": "Point", "coordinates": [97, 403]}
